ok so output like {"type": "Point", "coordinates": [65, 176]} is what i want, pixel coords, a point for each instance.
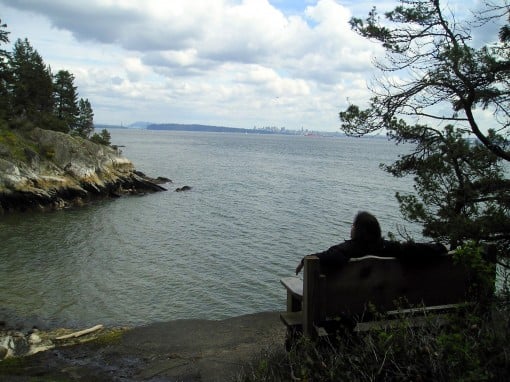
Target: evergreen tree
{"type": "Point", "coordinates": [31, 86]}
{"type": "Point", "coordinates": [438, 71]}
{"type": "Point", "coordinates": [103, 138]}
{"type": "Point", "coordinates": [66, 99]}
{"type": "Point", "coordinates": [4, 73]}
{"type": "Point", "coordinates": [31, 96]}
{"type": "Point", "coordinates": [85, 123]}
{"type": "Point", "coordinates": [462, 191]}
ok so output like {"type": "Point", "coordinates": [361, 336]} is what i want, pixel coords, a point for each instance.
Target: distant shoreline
{"type": "Point", "coordinates": [208, 128]}
{"type": "Point", "coordinates": [223, 129]}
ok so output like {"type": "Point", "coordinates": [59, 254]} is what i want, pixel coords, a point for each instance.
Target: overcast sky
{"type": "Point", "coordinates": [238, 63]}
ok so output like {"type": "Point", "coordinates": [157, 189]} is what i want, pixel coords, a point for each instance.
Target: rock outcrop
{"type": "Point", "coordinates": [47, 170]}
{"type": "Point", "coordinates": [181, 350]}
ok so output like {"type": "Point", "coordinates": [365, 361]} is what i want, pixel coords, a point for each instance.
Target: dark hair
{"type": "Point", "coordinates": [366, 228]}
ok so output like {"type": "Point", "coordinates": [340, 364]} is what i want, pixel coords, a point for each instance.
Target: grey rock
{"type": "Point", "coordinates": [3, 352]}
{"type": "Point", "coordinates": [183, 188]}
{"type": "Point", "coordinates": [67, 171]}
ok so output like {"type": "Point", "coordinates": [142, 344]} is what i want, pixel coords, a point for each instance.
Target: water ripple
{"type": "Point", "coordinates": [258, 204]}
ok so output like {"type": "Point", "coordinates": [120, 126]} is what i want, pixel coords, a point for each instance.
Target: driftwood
{"type": "Point", "coordinates": [80, 333]}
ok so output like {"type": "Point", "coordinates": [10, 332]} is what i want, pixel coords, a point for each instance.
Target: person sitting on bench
{"type": "Point", "coordinates": [366, 240]}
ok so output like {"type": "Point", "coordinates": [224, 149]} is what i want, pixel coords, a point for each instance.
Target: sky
{"type": "Point", "coordinates": [235, 63]}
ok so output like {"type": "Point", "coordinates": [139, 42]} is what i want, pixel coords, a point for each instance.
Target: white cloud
{"type": "Point", "coordinates": [135, 69]}
{"type": "Point", "coordinates": [231, 62]}
{"type": "Point", "coordinates": [225, 62]}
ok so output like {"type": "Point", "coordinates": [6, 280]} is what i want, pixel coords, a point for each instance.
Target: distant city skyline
{"type": "Point", "coordinates": [216, 62]}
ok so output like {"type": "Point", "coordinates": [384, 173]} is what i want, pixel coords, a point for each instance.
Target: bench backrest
{"type": "Point", "coordinates": [382, 283]}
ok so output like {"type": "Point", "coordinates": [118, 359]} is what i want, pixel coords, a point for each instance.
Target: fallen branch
{"type": "Point", "coordinates": [80, 333]}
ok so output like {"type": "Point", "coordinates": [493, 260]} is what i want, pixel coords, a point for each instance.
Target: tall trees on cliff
{"type": "Point", "coordinates": [450, 99]}
{"type": "Point", "coordinates": [31, 86]}
{"type": "Point", "coordinates": [65, 96]}
{"type": "Point", "coordinates": [85, 122]}
{"type": "Point", "coordinates": [30, 95]}
{"type": "Point", "coordinates": [4, 73]}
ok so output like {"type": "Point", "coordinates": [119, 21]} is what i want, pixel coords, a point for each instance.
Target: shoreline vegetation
{"type": "Point", "coordinates": [473, 346]}
{"type": "Point", "coordinates": [470, 347]}
{"type": "Point", "coordinates": [50, 156]}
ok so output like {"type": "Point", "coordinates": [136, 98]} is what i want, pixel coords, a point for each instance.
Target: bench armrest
{"type": "Point", "coordinates": [294, 285]}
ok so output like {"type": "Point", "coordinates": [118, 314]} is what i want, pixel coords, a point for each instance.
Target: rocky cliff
{"type": "Point", "coordinates": [47, 170]}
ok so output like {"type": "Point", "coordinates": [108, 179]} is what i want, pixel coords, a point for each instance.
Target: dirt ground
{"type": "Point", "coordinates": [182, 350]}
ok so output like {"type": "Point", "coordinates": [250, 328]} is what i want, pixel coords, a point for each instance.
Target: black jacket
{"type": "Point", "coordinates": [340, 254]}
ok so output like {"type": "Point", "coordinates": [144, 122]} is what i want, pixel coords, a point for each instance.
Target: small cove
{"type": "Point", "coordinates": [258, 203]}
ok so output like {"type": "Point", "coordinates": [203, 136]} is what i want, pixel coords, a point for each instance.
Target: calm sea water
{"type": "Point", "coordinates": [258, 204]}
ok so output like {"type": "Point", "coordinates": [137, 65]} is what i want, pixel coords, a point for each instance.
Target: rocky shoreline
{"type": "Point", "coordinates": [44, 170]}
{"type": "Point", "coordinates": [180, 350]}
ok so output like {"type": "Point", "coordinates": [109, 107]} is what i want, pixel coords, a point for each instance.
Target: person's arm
{"type": "Point", "coordinates": [300, 266]}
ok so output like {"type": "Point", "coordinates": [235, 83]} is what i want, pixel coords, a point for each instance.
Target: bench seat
{"type": "Point", "coordinates": [369, 286]}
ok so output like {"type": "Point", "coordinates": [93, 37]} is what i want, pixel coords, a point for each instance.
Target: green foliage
{"type": "Point", "coordinates": [103, 138]}
{"type": "Point", "coordinates": [13, 143]}
{"type": "Point", "coordinates": [31, 88]}
{"type": "Point", "coordinates": [66, 99]}
{"type": "Point", "coordinates": [4, 73]}
{"type": "Point", "coordinates": [4, 39]}
{"type": "Point", "coordinates": [112, 336]}
{"type": "Point", "coordinates": [30, 96]}
{"type": "Point", "coordinates": [462, 191]}
{"type": "Point", "coordinates": [482, 271]}
{"type": "Point", "coordinates": [48, 152]}
{"type": "Point", "coordinates": [50, 121]}
{"type": "Point", "coordinates": [438, 68]}
{"type": "Point", "coordinates": [85, 122]}
{"type": "Point", "coordinates": [468, 349]}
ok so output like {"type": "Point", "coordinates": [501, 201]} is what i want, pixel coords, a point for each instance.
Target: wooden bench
{"type": "Point", "coordinates": [370, 283]}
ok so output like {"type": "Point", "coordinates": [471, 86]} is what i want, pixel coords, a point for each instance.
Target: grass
{"type": "Point", "coordinates": [11, 141]}
{"type": "Point", "coordinates": [17, 146]}
{"type": "Point", "coordinates": [112, 336]}
{"type": "Point", "coordinates": [472, 347]}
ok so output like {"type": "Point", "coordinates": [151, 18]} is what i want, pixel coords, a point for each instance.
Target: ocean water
{"type": "Point", "coordinates": [258, 204]}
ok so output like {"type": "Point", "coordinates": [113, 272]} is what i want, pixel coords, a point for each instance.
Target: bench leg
{"type": "Point", "coordinates": [293, 303]}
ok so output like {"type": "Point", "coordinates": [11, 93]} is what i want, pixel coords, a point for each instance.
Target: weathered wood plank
{"type": "Point", "coordinates": [292, 319]}
{"type": "Point", "coordinates": [374, 285]}
{"type": "Point", "coordinates": [438, 319]}
{"type": "Point", "coordinates": [388, 284]}
{"type": "Point", "coordinates": [311, 294]}
{"type": "Point", "coordinates": [293, 284]}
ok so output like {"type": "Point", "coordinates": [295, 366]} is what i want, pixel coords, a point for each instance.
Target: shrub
{"type": "Point", "coordinates": [104, 138]}
{"type": "Point", "coordinates": [469, 348]}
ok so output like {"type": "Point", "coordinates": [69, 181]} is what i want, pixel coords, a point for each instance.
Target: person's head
{"type": "Point", "coordinates": [365, 228]}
